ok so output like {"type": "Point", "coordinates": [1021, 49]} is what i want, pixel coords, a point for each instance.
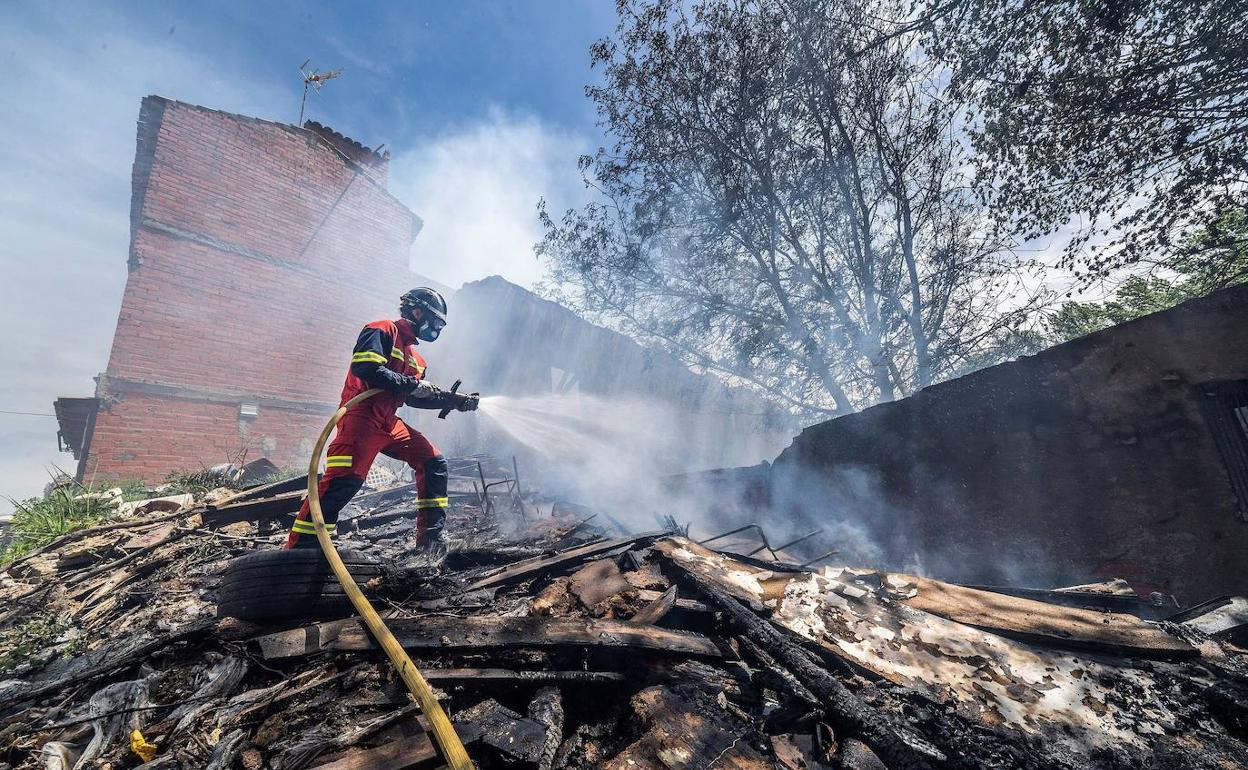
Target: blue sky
{"type": "Point", "coordinates": [481, 104]}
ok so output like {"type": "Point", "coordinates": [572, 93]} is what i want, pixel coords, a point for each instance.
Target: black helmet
{"type": "Point", "coordinates": [432, 311]}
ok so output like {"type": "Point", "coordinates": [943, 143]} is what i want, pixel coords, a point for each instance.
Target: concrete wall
{"type": "Point", "coordinates": [257, 252]}
{"type": "Point", "coordinates": [1087, 461]}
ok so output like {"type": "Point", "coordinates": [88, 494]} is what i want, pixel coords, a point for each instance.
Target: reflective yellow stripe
{"type": "Point", "coordinates": [433, 502]}
{"type": "Point", "coordinates": [368, 356]}
{"type": "Point", "coordinates": [309, 527]}
{"type": "Point", "coordinates": [396, 353]}
{"type": "Point", "coordinates": [419, 369]}
{"type": "Point", "coordinates": [339, 457]}
{"type": "Point", "coordinates": [338, 464]}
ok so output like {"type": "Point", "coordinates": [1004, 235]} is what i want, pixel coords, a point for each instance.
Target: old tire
{"type": "Point", "coordinates": [269, 586]}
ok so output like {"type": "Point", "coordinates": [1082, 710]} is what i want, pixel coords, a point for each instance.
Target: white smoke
{"type": "Point", "coordinates": [477, 187]}
{"type": "Point", "coordinates": [618, 452]}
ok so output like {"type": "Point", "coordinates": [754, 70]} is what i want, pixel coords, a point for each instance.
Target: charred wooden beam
{"type": "Point", "coordinates": [546, 709]}
{"type": "Point", "coordinates": [559, 562]}
{"type": "Point", "coordinates": [440, 632]}
{"type": "Point", "coordinates": [900, 748]}
{"type": "Point", "coordinates": [292, 484]}
{"type": "Point", "coordinates": [769, 667]}
{"type": "Point", "coordinates": [504, 675]}
{"type": "Point", "coordinates": [655, 611]}
{"type": "Point", "coordinates": [402, 754]}
{"type": "Point", "coordinates": [278, 506]}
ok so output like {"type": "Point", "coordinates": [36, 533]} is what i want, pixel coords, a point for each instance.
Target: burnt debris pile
{"type": "Point", "coordinates": [556, 640]}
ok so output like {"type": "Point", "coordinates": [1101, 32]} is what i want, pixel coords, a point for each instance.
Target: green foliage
{"type": "Point", "coordinates": [1136, 296]}
{"type": "Point", "coordinates": [1004, 345]}
{"type": "Point", "coordinates": [37, 522]}
{"type": "Point", "coordinates": [1214, 257]}
{"type": "Point", "coordinates": [1126, 116]}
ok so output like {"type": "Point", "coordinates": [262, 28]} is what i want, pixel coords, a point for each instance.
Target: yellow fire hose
{"type": "Point", "coordinates": [443, 731]}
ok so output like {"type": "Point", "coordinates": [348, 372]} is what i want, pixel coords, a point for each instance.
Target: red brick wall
{"type": "Point", "coordinates": [145, 437]}
{"type": "Point", "coordinates": [257, 253]}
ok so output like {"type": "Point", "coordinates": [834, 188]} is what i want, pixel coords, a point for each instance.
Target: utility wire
{"type": "Point", "coordinates": [32, 414]}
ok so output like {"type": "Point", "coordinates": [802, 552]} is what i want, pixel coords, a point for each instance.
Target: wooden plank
{"type": "Point", "coordinates": [485, 632]}
{"type": "Point", "coordinates": [402, 754]}
{"type": "Point", "coordinates": [301, 641]}
{"type": "Point", "coordinates": [1041, 622]}
{"type": "Point", "coordinates": [254, 510]}
{"type": "Point", "coordinates": [1145, 609]}
{"type": "Point", "coordinates": [272, 489]}
{"type": "Point", "coordinates": [655, 611]}
{"type": "Point", "coordinates": [688, 605]}
{"type": "Point", "coordinates": [561, 561]}
{"type": "Point", "coordinates": [519, 739]}
{"type": "Point", "coordinates": [497, 675]}
{"type": "Point", "coordinates": [492, 632]}
{"type": "Point", "coordinates": [150, 537]}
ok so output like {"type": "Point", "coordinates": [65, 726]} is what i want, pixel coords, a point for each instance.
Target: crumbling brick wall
{"type": "Point", "coordinates": [257, 250]}
{"type": "Point", "coordinates": [1090, 460]}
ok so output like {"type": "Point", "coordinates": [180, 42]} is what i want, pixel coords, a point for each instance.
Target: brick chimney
{"type": "Point", "coordinates": [378, 163]}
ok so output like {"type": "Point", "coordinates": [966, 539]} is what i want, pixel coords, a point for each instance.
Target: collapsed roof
{"type": "Point", "coordinates": [556, 643]}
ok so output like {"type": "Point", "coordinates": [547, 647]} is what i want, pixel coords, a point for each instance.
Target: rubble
{"type": "Point", "coordinates": [554, 643]}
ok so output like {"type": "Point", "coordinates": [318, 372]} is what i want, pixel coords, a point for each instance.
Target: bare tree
{"type": "Point", "coordinates": [784, 202]}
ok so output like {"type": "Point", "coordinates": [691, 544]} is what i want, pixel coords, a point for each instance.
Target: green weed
{"type": "Point", "coordinates": [37, 522]}
{"type": "Point", "coordinates": [31, 641]}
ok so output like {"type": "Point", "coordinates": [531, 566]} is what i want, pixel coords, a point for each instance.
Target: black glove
{"type": "Point", "coordinates": [419, 390]}
{"type": "Point", "coordinates": [425, 396]}
{"type": "Point", "coordinates": [467, 402]}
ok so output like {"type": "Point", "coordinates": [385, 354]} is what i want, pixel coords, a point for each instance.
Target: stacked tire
{"type": "Point", "coordinates": [274, 586]}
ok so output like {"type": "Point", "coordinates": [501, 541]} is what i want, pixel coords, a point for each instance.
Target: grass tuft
{"type": "Point", "coordinates": [37, 522]}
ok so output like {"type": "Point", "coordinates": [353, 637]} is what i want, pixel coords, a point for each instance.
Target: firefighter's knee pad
{"type": "Point", "coordinates": [436, 474]}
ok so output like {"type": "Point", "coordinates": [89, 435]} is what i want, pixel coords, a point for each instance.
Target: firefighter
{"type": "Point", "coordinates": [385, 357]}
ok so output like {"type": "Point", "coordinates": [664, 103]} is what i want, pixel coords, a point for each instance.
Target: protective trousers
{"type": "Point", "coordinates": [358, 441]}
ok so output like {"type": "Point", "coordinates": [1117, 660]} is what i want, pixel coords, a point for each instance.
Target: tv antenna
{"type": "Point", "coordinates": [314, 80]}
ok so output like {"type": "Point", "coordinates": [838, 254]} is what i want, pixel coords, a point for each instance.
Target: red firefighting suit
{"type": "Point", "coordinates": [385, 357]}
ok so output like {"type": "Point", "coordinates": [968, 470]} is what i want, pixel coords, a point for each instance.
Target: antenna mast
{"type": "Point", "coordinates": [315, 80]}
